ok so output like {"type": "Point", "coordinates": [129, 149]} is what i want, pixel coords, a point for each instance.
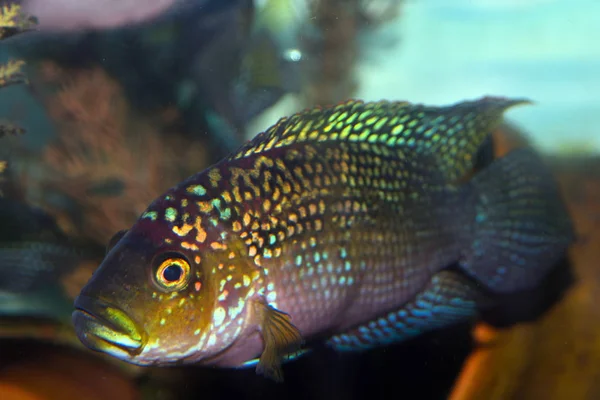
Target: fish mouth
{"type": "Point", "coordinates": [103, 327]}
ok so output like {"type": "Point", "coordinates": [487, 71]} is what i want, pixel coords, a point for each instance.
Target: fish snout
{"type": "Point", "coordinates": [104, 327]}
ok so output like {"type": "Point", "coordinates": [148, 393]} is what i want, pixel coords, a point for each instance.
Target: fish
{"type": "Point", "coordinates": [359, 225]}
{"type": "Point", "coordinates": [35, 259]}
{"type": "Point", "coordinates": [41, 272]}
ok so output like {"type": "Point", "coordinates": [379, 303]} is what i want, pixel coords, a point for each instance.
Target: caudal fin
{"type": "Point", "coordinates": [521, 225]}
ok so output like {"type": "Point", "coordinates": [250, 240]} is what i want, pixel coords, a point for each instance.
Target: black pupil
{"type": "Point", "coordinates": [172, 273]}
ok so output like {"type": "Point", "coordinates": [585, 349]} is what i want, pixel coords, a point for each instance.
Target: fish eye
{"type": "Point", "coordinates": [173, 274]}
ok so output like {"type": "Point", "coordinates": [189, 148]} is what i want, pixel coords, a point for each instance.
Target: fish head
{"type": "Point", "coordinates": [163, 298]}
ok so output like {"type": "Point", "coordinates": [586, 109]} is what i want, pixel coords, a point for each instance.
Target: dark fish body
{"type": "Point", "coordinates": [35, 256]}
{"type": "Point", "coordinates": [337, 223]}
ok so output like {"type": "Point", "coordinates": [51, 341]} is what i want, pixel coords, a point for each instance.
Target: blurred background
{"type": "Point", "coordinates": [106, 104]}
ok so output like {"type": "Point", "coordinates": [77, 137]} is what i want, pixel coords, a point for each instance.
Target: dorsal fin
{"type": "Point", "coordinates": [451, 134]}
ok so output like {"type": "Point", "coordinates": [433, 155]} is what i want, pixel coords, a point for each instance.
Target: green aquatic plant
{"type": "Point", "coordinates": [12, 22]}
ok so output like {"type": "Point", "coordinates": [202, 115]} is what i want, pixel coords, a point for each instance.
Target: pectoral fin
{"type": "Point", "coordinates": [280, 337]}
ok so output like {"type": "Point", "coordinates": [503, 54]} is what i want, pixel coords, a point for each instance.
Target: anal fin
{"type": "Point", "coordinates": [449, 298]}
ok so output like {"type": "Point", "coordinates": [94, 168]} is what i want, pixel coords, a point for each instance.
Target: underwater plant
{"type": "Point", "coordinates": [12, 22]}
{"type": "Point", "coordinates": [106, 162]}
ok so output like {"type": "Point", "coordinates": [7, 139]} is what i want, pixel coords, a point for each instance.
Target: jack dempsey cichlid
{"type": "Point", "coordinates": [336, 223]}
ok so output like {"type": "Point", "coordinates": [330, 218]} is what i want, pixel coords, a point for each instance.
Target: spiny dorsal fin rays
{"type": "Point", "coordinates": [452, 134]}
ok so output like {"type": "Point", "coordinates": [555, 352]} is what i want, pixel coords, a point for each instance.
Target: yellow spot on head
{"type": "Point", "coordinates": [215, 176]}
{"type": "Point", "coordinates": [236, 194]}
{"type": "Point", "coordinates": [223, 296]}
{"type": "Point", "coordinates": [212, 340]}
{"type": "Point", "coordinates": [252, 251]}
{"type": "Point", "coordinates": [235, 311]}
{"type": "Point", "coordinates": [170, 214]}
{"type": "Point", "coordinates": [200, 232]}
{"type": "Point", "coordinates": [189, 246]}
{"type": "Point", "coordinates": [255, 275]}
{"type": "Point", "coordinates": [266, 205]}
{"type": "Point", "coordinates": [246, 280]}
{"type": "Point", "coordinates": [183, 231]}
{"type": "Point", "coordinates": [218, 246]}
{"type": "Point", "coordinates": [205, 206]}
{"type": "Point", "coordinates": [219, 316]}
{"type": "Point", "coordinates": [198, 190]}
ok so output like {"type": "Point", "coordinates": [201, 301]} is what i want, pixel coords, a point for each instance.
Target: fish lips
{"type": "Point", "coordinates": [103, 327]}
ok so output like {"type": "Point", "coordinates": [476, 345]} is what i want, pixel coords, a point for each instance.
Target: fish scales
{"type": "Point", "coordinates": [286, 213]}
{"type": "Point", "coordinates": [319, 231]}
{"type": "Point", "coordinates": [328, 221]}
